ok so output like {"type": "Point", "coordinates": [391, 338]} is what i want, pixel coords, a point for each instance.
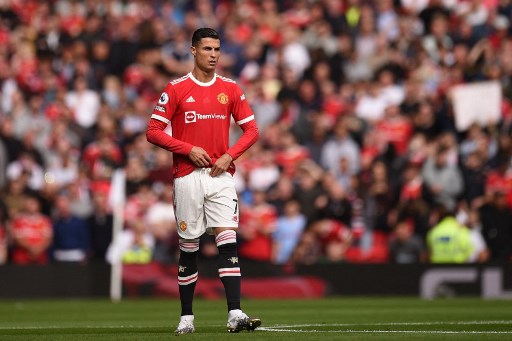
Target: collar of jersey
{"type": "Point", "coordinates": [201, 83]}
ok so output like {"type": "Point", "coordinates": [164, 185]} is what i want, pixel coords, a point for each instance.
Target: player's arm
{"type": "Point", "coordinates": [155, 134]}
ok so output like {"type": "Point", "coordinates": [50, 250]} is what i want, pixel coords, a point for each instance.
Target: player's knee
{"type": "Point", "coordinates": [226, 242]}
{"type": "Point", "coordinates": [189, 246]}
{"type": "Point", "coordinates": [188, 250]}
{"type": "Point", "coordinates": [187, 265]}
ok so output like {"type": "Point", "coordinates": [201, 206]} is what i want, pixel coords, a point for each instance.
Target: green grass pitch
{"type": "Point", "coordinates": [328, 319]}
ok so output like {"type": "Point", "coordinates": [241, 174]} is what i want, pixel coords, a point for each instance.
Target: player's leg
{"type": "Point", "coordinates": [187, 278]}
{"type": "Point", "coordinates": [230, 275]}
{"type": "Point", "coordinates": [221, 211]}
{"type": "Point", "coordinates": [188, 208]}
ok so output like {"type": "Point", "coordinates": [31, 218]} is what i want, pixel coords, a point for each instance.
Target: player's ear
{"type": "Point", "coordinates": [193, 50]}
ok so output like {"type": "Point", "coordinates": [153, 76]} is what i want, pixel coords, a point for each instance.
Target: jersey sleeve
{"type": "Point", "coordinates": [166, 105]}
{"type": "Point", "coordinates": [244, 117]}
{"type": "Point", "coordinates": [241, 111]}
{"type": "Point", "coordinates": [160, 118]}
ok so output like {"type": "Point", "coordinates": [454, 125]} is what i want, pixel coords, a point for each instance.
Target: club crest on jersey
{"type": "Point", "coordinates": [164, 98]}
{"type": "Point", "coordinates": [222, 98]}
{"type": "Point", "coordinates": [183, 226]}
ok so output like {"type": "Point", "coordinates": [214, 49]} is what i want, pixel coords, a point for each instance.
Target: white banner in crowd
{"type": "Point", "coordinates": [476, 103]}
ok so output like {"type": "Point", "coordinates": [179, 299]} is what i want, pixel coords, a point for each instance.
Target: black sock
{"type": "Point", "coordinates": [187, 274]}
{"type": "Point", "coordinates": [229, 268]}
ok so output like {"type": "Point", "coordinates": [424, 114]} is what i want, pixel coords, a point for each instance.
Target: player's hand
{"type": "Point", "coordinates": [221, 165]}
{"type": "Point", "coordinates": [199, 157]}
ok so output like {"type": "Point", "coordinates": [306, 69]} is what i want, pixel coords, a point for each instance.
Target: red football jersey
{"type": "Point", "coordinates": [200, 115]}
{"type": "Point", "coordinates": [34, 230]}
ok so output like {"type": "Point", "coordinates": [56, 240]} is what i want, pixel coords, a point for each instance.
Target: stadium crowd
{"type": "Point", "coordinates": [360, 158]}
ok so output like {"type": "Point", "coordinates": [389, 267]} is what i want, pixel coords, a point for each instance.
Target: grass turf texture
{"type": "Point", "coordinates": [328, 319]}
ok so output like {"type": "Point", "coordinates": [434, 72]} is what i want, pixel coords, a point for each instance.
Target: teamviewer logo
{"type": "Point", "coordinates": [190, 116]}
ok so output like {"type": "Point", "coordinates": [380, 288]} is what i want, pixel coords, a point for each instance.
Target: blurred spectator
{"type": "Point", "coordinates": [474, 172]}
{"type": "Point", "coordinates": [426, 121]}
{"type": "Point", "coordinates": [136, 174]}
{"type": "Point", "coordinates": [84, 103]}
{"type": "Point", "coordinates": [266, 173]}
{"type": "Point", "coordinates": [70, 233]}
{"type": "Point", "coordinates": [133, 245]}
{"type": "Point", "coordinates": [100, 224]}
{"type": "Point", "coordinates": [443, 181]}
{"type": "Point", "coordinates": [449, 241]}
{"type": "Point", "coordinates": [289, 228]}
{"type": "Point", "coordinates": [280, 193]}
{"type": "Point", "coordinates": [341, 146]}
{"type": "Point", "coordinates": [308, 251]}
{"type": "Point", "coordinates": [334, 204]}
{"type": "Point", "coordinates": [257, 223]}
{"type": "Point", "coordinates": [499, 180]}
{"type": "Point", "coordinates": [295, 55]}
{"type": "Point", "coordinates": [405, 247]}
{"type": "Point", "coordinates": [31, 233]}
{"type": "Point", "coordinates": [437, 41]}
{"type": "Point", "coordinates": [63, 164]}
{"type": "Point", "coordinates": [27, 167]}
{"type": "Point", "coordinates": [334, 239]}
{"type": "Point", "coordinates": [308, 192]}
{"type": "Point", "coordinates": [162, 224]}
{"type": "Point", "coordinates": [380, 197]}
{"type": "Point", "coordinates": [79, 195]}
{"type": "Point", "coordinates": [13, 196]}
{"type": "Point", "coordinates": [290, 154]}
{"type": "Point", "coordinates": [161, 173]}
{"type": "Point", "coordinates": [412, 207]}
{"type": "Point", "coordinates": [319, 131]}
{"type": "Point", "coordinates": [394, 130]}
{"type": "Point", "coordinates": [471, 218]}
{"type": "Point", "coordinates": [496, 220]}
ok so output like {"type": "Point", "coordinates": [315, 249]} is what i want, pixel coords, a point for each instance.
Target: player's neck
{"type": "Point", "coordinates": [203, 76]}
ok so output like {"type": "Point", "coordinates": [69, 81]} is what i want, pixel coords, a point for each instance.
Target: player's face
{"type": "Point", "coordinates": [206, 54]}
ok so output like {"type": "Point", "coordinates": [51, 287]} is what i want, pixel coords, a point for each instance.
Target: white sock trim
{"type": "Point", "coordinates": [225, 237]}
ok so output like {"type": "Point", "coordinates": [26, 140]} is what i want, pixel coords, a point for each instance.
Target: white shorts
{"type": "Point", "coordinates": [202, 202]}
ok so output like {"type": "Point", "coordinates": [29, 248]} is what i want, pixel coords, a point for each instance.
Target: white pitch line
{"type": "Point", "coordinates": [69, 327]}
{"type": "Point", "coordinates": [270, 329]}
{"type": "Point", "coordinates": [502, 322]}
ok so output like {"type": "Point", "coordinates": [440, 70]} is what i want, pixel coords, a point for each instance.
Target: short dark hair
{"type": "Point", "coordinates": [204, 32]}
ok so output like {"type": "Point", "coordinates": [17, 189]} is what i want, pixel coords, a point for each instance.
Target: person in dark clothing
{"type": "Point", "coordinates": [474, 174]}
{"type": "Point", "coordinates": [70, 235]}
{"type": "Point", "coordinates": [100, 227]}
{"type": "Point", "coordinates": [406, 247]}
{"type": "Point", "coordinates": [496, 220]}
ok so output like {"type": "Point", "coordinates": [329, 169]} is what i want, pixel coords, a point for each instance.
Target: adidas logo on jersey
{"type": "Point", "coordinates": [190, 100]}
